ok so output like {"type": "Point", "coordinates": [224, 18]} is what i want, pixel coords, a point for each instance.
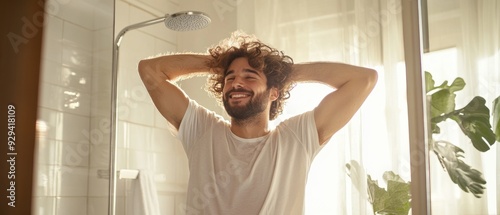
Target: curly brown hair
{"type": "Point", "coordinates": [273, 63]}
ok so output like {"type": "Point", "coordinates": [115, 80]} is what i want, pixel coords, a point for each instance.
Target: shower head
{"type": "Point", "coordinates": [187, 21]}
{"type": "Point", "coordinates": [181, 21]}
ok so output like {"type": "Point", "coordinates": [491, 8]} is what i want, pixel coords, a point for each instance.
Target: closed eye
{"type": "Point", "coordinates": [251, 77]}
{"type": "Point", "coordinates": [229, 79]}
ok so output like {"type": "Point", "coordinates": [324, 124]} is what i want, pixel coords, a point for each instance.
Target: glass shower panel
{"type": "Point", "coordinates": [372, 151]}
{"type": "Point", "coordinates": [463, 75]}
{"type": "Point", "coordinates": [72, 144]}
{"type": "Point", "coordinates": [145, 144]}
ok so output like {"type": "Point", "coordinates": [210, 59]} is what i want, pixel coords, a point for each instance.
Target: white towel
{"type": "Point", "coordinates": [145, 195]}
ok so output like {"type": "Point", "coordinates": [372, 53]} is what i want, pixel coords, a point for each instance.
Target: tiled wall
{"type": "Point", "coordinates": [73, 137]}
{"type": "Point", "coordinates": [74, 104]}
{"type": "Point", "coordinates": [143, 138]}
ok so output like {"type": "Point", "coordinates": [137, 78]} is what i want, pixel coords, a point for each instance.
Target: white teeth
{"type": "Point", "coordinates": [238, 96]}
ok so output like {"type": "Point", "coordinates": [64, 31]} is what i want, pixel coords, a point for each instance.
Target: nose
{"type": "Point", "coordinates": [237, 83]}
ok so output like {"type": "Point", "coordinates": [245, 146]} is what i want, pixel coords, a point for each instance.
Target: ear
{"type": "Point", "coordinates": [273, 95]}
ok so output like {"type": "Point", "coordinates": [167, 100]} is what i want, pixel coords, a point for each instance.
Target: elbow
{"type": "Point", "coordinates": [145, 70]}
{"type": "Point", "coordinates": [145, 73]}
{"type": "Point", "coordinates": [148, 69]}
{"type": "Point", "coordinates": [371, 77]}
{"type": "Point", "coordinates": [365, 80]}
{"type": "Point", "coordinates": [143, 66]}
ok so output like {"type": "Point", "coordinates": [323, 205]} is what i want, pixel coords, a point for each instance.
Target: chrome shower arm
{"type": "Point", "coordinates": [137, 25]}
{"type": "Point", "coordinates": [114, 117]}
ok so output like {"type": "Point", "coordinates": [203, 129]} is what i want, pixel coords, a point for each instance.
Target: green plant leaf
{"type": "Point", "coordinates": [377, 196]}
{"type": "Point", "coordinates": [467, 178]}
{"type": "Point", "coordinates": [496, 118]}
{"type": "Point", "coordinates": [395, 200]}
{"type": "Point", "coordinates": [399, 203]}
{"type": "Point", "coordinates": [442, 99]}
{"type": "Point", "coordinates": [457, 85]}
{"type": "Point", "coordinates": [391, 176]}
{"type": "Point", "coordinates": [429, 82]}
{"type": "Point", "coordinates": [474, 120]}
{"type": "Point", "coordinates": [442, 102]}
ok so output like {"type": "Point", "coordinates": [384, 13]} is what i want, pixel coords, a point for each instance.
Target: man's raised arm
{"type": "Point", "coordinates": [158, 75]}
{"type": "Point", "coordinates": [352, 83]}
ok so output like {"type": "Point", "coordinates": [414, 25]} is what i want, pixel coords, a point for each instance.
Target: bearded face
{"type": "Point", "coordinates": [243, 104]}
{"type": "Point", "coordinates": [245, 89]}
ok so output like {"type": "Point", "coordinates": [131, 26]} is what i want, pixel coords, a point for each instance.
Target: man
{"type": "Point", "coordinates": [243, 166]}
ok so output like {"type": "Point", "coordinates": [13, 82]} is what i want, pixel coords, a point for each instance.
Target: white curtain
{"type": "Point", "coordinates": [369, 33]}
{"type": "Point", "coordinates": [361, 32]}
{"type": "Point", "coordinates": [475, 58]}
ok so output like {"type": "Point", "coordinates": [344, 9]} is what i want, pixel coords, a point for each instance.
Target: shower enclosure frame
{"type": "Point", "coordinates": [114, 119]}
{"type": "Point", "coordinates": [413, 39]}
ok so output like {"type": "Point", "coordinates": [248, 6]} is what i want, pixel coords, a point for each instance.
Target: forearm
{"type": "Point", "coordinates": [173, 67]}
{"type": "Point", "coordinates": [331, 73]}
{"type": "Point", "coordinates": [158, 74]}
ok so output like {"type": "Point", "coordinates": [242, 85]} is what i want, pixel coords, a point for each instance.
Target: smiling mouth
{"type": "Point", "coordinates": [238, 95]}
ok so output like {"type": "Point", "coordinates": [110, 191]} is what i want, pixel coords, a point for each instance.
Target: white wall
{"type": "Point", "coordinates": [76, 59]}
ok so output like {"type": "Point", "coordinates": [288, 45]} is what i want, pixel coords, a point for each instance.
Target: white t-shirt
{"type": "Point", "coordinates": [232, 175]}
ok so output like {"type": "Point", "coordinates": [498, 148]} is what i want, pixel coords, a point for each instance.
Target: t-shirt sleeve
{"type": "Point", "coordinates": [304, 127]}
{"type": "Point", "coordinates": [195, 122]}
